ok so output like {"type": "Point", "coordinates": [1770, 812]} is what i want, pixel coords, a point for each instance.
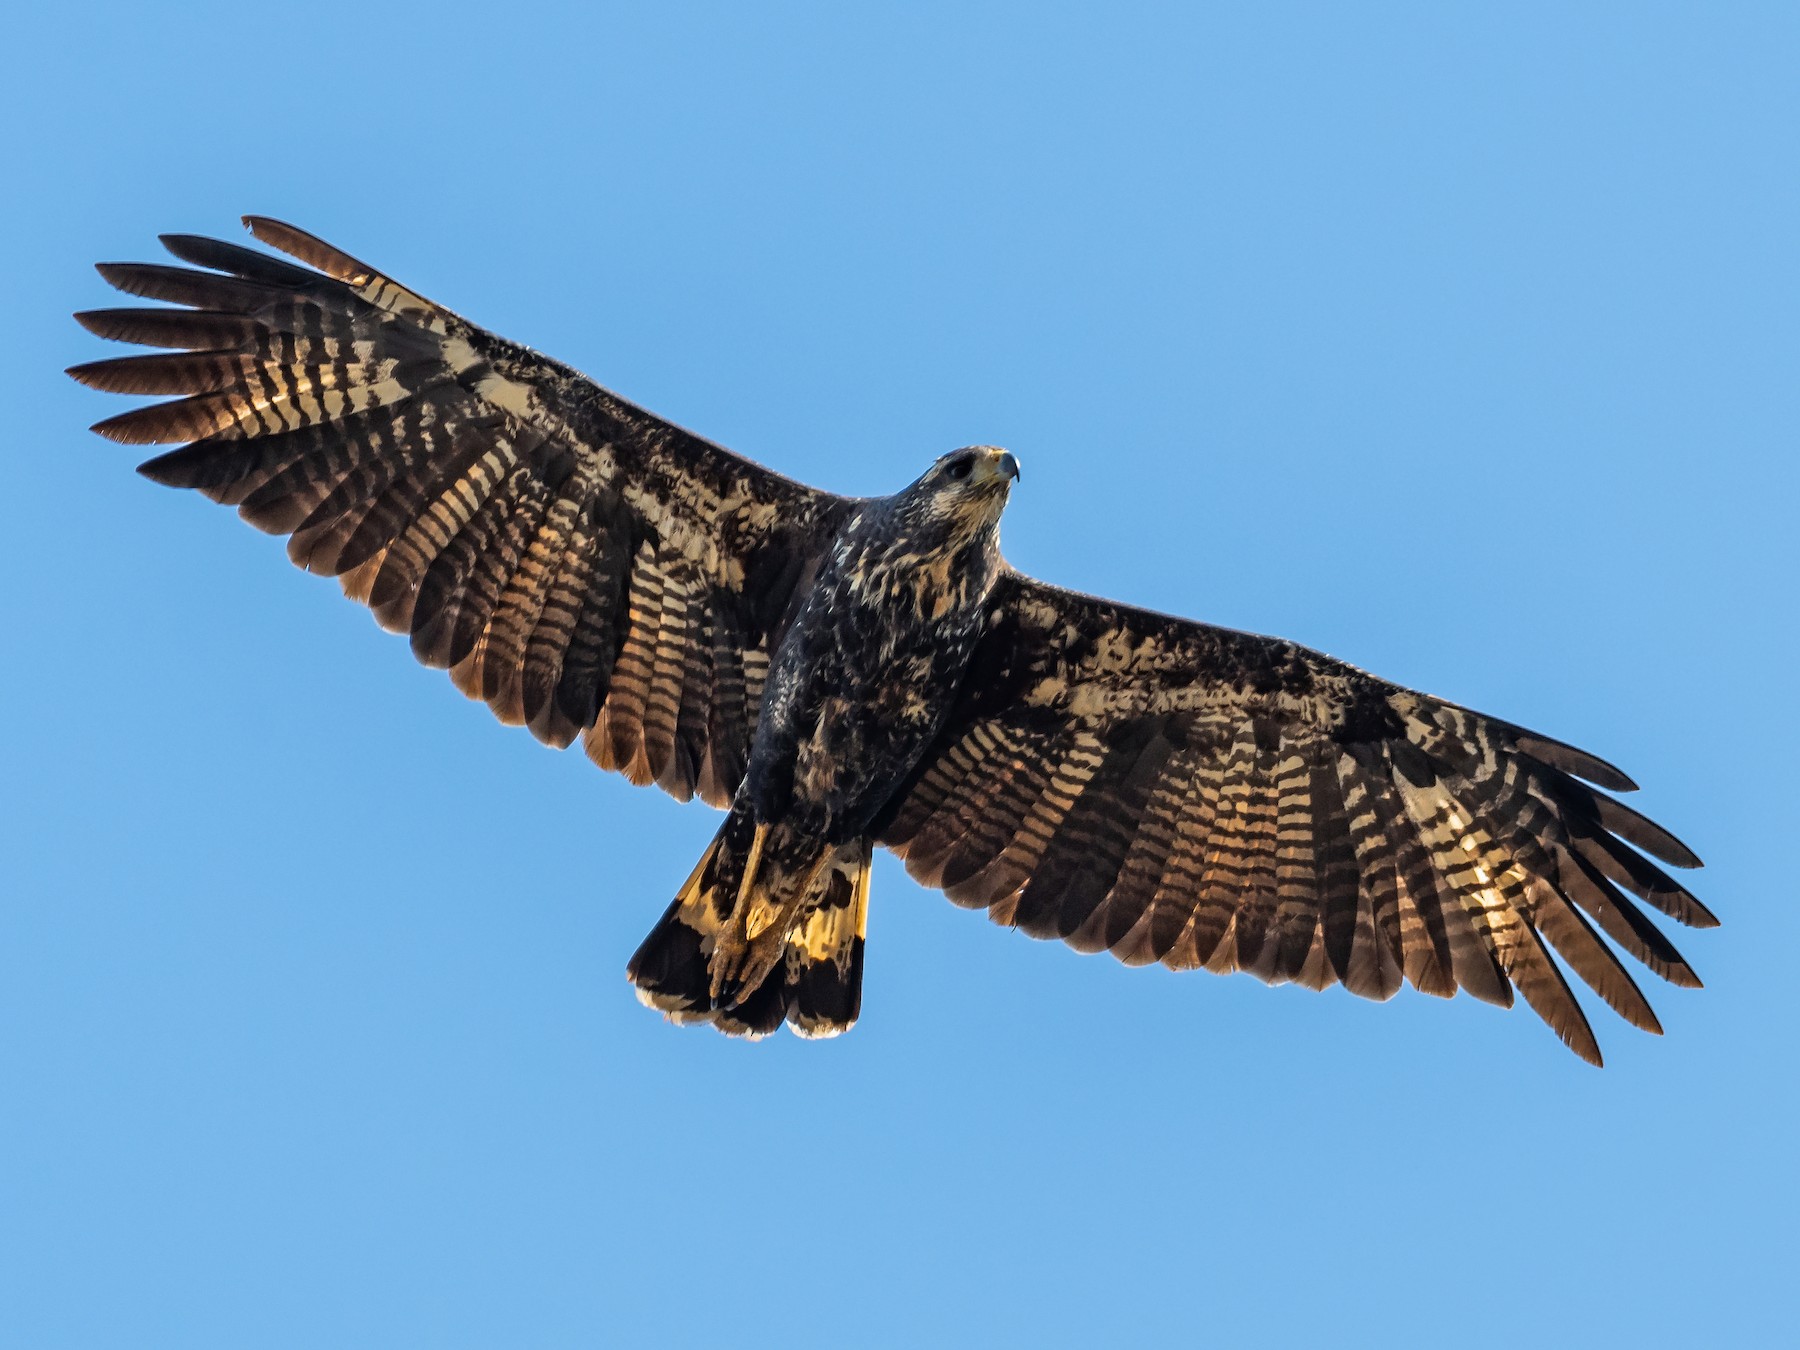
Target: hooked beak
{"type": "Point", "coordinates": [1008, 465]}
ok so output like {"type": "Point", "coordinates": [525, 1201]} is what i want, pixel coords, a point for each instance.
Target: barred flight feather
{"type": "Point", "coordinates": [1124, 922]}
{"type": "Point", "coordinates": [1318, 826]}
{"type": "Point", "coordinates": [451, 479]}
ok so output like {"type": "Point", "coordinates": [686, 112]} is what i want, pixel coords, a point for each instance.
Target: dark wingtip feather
{"type": "Point", "coordinates": [1635, 828]}
{"type": "Point", "coordinates": [94, 375]}
{"type": "Point", "coordinates": [1561, 924]}
{"type": "Point", "coordinates": [1562, 755]}
{"type": "Point", "coordinates": [191, 287]}
{"type": "Point", "coordinates": [110, 376]}
{"type": "Point", "coordinates": [99, 322]}
{"type": "Point", "coordinates": [115, 274]}
{"type": "Point", "coordinates": [123, 430]}
{"type": "Point", "coordinates": [1636, 873]}
{"type": "Point", "coordinates": [1627, 925]}
{"type": "Point", "coordinates": [1547, 992]}
{"type": "Point", "coordinates": [235, 259]}
{"type": "Point", "coordinates": [187, 329]}
{"type": "Point", "coordinates": [309, 249]}
{"type": "Point", "coordinates": [163, 373]}
{"type": "Point", "coordinates": [182, 419]}
{"type": "Point", "coordinates": [173, 468]}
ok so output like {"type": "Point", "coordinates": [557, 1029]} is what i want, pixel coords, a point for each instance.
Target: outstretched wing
{"type": "Point", "coordinates": [582, 566]}
{"type": "Point", "coordinates": [1175, 792]}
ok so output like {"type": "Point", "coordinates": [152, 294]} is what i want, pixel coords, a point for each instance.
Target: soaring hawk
{"type": "Point", "coordinates": [841, 673]}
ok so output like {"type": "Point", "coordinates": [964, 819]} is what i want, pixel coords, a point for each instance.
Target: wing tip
{"type": "Point", "coordinates": [122, 430]}
{"type": "Point", "coordinates": [114, 274]}
{"type": "Point", "coordinates": [309, 249]}
{"type": "Point", "coordinates": [164, 469]}
{"type": "Point", "coordinates": [1678, 854]}
{"type": "Point", "coordinates": [1573, 760]}
{"type": "Point", "coordinates": [94, 320]}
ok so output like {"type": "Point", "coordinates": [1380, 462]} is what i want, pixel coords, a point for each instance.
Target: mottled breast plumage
{"type": "Point", "coordinates": [871, 665]}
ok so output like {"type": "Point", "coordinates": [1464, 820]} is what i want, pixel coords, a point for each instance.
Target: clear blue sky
{"type": "Point", "coordinates": [1459, 341]}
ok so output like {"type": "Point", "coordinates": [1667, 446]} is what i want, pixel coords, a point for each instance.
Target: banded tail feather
{"type": "Point", "coordinates": [768, 927]}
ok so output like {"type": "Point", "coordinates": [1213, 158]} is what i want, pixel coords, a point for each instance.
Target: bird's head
{"type": "Point", "coordinates": [964, 491]}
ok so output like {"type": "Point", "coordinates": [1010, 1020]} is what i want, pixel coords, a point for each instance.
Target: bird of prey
{"type": "Point", "coordinates": [839, 673]}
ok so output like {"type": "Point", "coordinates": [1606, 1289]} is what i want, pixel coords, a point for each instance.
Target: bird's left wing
{"type": "Point", "coordinates": [1187, 794]}
{"type": "Point", "coordinates": [581, 565]}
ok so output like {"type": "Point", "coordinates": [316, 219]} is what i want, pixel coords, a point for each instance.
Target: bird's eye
{"type": "Point", "coordinates": [958, 469]}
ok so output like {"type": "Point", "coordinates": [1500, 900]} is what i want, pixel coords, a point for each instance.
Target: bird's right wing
{"type": "Point", "coordinates": [581, 565]}
{"type": "Point", "coordinates": [1176, 792]}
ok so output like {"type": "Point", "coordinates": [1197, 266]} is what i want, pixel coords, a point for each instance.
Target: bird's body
{"type": "Point", "coordinates": [859, 687]}
{"type": "Point", "coordinates": [865, 674]}
{"type": "Point", "coordinates": [844, 673]}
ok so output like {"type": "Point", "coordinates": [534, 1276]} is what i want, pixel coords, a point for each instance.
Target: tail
{"type": "Point", "coordinates": [769, 926]}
